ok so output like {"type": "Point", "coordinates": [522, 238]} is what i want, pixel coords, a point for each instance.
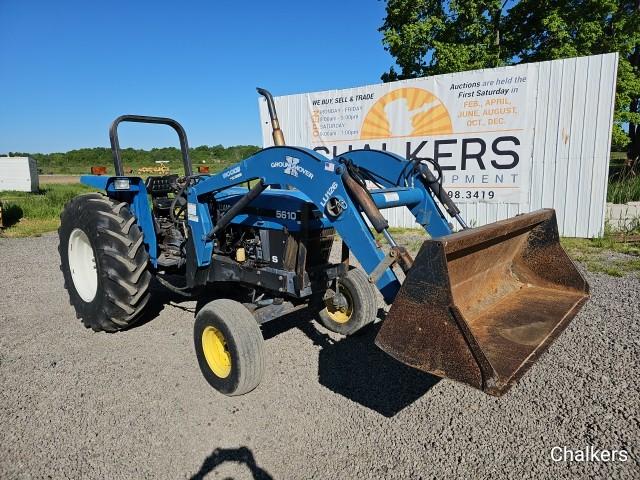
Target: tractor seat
{"type": "Point", "coordinates": [160, 186]}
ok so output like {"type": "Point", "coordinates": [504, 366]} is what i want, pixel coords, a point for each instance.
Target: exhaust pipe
{"type": "Point", "coordinates": [278, 136]}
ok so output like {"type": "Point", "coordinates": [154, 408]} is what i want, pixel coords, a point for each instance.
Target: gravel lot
{"type": "Point", "coordinates": [75, 404]}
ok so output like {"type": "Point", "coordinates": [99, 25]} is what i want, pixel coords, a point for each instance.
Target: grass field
{"type": "Point", "coordinates": [624, 190]}
{"type": "Point", "coordinates": [613, 255]}
{"type": "Point", "coordinates": [623, 186]}
{"type": "Point", "coordinates": [31, 214]}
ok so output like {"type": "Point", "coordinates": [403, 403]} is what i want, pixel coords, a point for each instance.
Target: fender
{"type": "Point", "coordinates": [136, 197]}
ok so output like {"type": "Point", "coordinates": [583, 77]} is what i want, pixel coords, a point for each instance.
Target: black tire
{"type": "Point", "coordinates": [243, 345]}
{"type": "Point", "coordinates": [362, 305]}
{"type": "Point", "coordinates": [121, 262]}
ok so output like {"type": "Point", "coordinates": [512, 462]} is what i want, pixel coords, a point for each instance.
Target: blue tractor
{"type": "Point", "coordinates": [477, 306]}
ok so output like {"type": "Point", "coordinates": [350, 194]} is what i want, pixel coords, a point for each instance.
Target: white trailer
{"type": "Point", "coordinates": [18, 173]}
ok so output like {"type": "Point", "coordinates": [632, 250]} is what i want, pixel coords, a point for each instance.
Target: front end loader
{"type": "Point", "coordinates": [477, 306]}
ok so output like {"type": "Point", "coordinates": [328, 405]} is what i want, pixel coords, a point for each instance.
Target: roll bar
{"type": "Point", "coordinates": [115, 144]}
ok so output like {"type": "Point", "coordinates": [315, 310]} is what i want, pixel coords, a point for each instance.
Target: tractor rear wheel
{"type": "Point", "coordinates": [229, 347]}
{"type": "Point", "coordinates": [104, 262]}
{"type": "Point", "coordinates": [352, 307]}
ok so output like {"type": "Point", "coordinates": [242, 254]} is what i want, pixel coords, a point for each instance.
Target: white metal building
{"type": "Point", "coordinates": [18, 173]}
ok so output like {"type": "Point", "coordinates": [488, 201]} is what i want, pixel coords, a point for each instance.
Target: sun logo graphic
{"type": "Point", "coordinates": [291, 167]}
{"type": "Point", "coordinates": [406, 112]}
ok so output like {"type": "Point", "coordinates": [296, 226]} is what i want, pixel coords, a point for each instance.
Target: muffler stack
{"type": "Point", "coordinates": [479, 306]}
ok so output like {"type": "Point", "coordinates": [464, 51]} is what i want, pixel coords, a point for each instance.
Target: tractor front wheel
{"type": "Point", "coordinates": [104, 262]}
{"type": "Point", "coordinates": [352, 307]}
{"type": "Point", "coordinates": [229, 347]}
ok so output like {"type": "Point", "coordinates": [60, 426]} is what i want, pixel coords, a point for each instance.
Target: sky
{"type": "Point", "coordinates": [68, 68]}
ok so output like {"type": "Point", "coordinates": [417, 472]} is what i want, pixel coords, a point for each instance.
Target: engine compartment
{"type": "Point", "coordinates": [281, 235]}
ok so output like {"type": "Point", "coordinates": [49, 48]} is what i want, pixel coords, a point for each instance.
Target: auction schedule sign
{"type": "Point", "coordinates": [475, 125]}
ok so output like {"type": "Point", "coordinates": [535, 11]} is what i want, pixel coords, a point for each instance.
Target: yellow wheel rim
{"type": "Point", "coordinates": [215, 352]}
{"type": "Point", "coordinates": [342, 314]}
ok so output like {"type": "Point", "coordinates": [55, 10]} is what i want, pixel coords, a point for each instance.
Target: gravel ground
{"type": "Point", "coordinates": [75, 404]}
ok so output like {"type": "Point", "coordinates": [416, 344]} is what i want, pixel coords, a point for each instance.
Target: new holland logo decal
{"type": "Point", "coordinates": [292, 167]}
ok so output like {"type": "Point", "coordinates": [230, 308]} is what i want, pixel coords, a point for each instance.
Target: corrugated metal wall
{"type": "Point", "coordinates": [571, 143]}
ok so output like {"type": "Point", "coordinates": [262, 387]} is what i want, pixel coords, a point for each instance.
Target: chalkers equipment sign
{"type": "Point", "coordinates": [474, 125]}
{"type": "Point", "coordinates": [479, 126]}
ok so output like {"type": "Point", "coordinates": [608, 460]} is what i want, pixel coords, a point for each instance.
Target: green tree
{"type": "Point", "coordinates": [429, 37]}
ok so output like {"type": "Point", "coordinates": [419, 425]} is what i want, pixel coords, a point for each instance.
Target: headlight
{"type": "Point", "coordinates": [121, 184]}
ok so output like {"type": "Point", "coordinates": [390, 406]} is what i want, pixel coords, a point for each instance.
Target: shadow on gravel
{"type": "Point", "coordinates": [357, 369]}
{"type": "Point", "coordinates": [160, 298]}
{"type": "Point", "coordinates": [240, 455]}
{"type": "Point", "coordinates": [353, 367]}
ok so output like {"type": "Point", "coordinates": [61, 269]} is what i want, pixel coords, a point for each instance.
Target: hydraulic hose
{"type": "Point", "coordinates": [435, 186]}
{"type": "Point", "coordinates": [432, 183]}
{"type": "Point", "coordinates": [236, 209]}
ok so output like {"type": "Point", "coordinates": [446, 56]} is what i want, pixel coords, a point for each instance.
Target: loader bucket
{"type": "Point", "coordinates": [479, 306]}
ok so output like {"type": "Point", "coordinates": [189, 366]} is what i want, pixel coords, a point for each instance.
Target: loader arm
{"type": "Point", "coordinates": [396, 174]}
{"type": "Point", "coordinates": [322, 181]}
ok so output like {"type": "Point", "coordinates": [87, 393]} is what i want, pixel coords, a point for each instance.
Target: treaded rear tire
{"type": "Point", "coordinates": [244, 343]}
{"type": "Point", "coordinates": [121, 262]}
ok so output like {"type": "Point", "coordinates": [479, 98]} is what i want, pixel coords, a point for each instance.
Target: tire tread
{"type": "Point", "coordinates": [123, 263]}
{"type": "Point", "coordinates": [248, 340]}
